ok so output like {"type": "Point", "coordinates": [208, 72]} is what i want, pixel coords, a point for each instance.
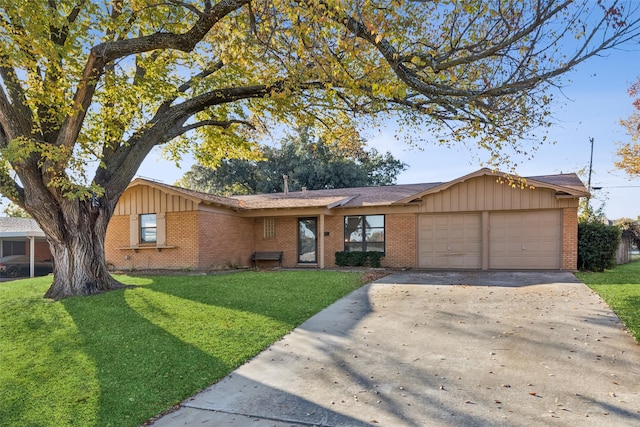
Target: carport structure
{"type": "Point", "coordinates": [22, 236]}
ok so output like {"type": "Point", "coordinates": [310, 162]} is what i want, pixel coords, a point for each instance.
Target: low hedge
{"type": "Point", "coordinates": [597, 245]}
{"type": "Point", "coordinates": [358, 259]}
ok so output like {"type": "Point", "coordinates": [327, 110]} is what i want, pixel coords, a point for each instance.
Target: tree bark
{"type": "Point", "coordinates": [77, 246]}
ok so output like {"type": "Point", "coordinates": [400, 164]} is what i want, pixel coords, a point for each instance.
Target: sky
{"type": "Point", "coordinates": [590, 105]}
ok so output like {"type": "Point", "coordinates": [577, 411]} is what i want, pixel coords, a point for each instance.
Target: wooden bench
{"type": "Point", "coordinates": [266, 256]}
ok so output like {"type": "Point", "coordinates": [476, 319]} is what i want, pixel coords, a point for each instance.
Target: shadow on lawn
{"type": "Point", "coordinates": [143, 368]}
{"type": "Point", "coordinates": [292, 300]}
{"type": "Point", "coordinates": [164, 372]}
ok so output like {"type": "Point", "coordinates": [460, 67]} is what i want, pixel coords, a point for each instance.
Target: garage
{"type": "Point", "coordinates": [525, 240]}
{"type": "Point", "coordinates": [505, 240]}
{"type": "Point", "coordinates": [483, 221]}
{"type": "Point", "coordinates": [450, 240]}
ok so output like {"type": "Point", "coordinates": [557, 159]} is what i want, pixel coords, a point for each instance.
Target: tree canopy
{"type": "Point", "coordinates": [629, 152]}
{"type": "Point", "coordinates": [307, 162]}
{"type": "Point", "coordinates": [88, 88]}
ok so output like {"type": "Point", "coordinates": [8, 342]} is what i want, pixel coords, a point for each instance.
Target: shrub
{"type": "Point", "coordinates": [358, 259]}
{"type": "Point", "coordinates": [597, 245]}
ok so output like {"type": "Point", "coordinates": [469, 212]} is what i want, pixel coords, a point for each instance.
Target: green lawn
{"type": "Point", "coordinates": [620, 288]}
{"type": "Point", "coordinates": [120, 358]}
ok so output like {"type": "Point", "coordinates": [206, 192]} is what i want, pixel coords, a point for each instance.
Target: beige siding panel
{"type": "Point", "coordinates": [142, 199]}
{"type": "Point", "coordinates": [161, 229]}
{"type": "Point", "coordinates": [525, 240]}
{"type": "Point", "coordinates": [163, 203]}
{"type": "Point", "coordinates": [137, 202]}
{"type": "Point", "coordinates": [133, 230]}
{"type": "Point", "coordinates": [449, 241]}
{"type": "Point", "coordinates": [485, 193]}
{"type": "Point", "coordinates": [157, 201]}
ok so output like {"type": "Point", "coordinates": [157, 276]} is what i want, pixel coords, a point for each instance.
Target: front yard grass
{"type": "Point", "coordinates": [620, 288]}
{"type": "Point", "coordinates": [120, 358]}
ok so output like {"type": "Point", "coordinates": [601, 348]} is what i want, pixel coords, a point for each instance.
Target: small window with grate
{"type": "Point", "coordinates": [269, 228]}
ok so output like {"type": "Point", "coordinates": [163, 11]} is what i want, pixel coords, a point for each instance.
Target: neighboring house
{"type": "Point", "coordinates": [23, 236]}
{"type": "Point", "coordinates": [477, 221]}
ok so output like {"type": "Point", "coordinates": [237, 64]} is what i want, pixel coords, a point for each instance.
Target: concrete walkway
{"type": "Point", "coordinates": [439, 349]}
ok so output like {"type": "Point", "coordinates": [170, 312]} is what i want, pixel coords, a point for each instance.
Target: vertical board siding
{"type": "Point", "coordinates": [143, 199]}
{"type": "Point", "coordinates": [486, 194]}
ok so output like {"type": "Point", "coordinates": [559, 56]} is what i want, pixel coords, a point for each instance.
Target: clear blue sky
{"type": "Point", "coordinates": [590, 106]}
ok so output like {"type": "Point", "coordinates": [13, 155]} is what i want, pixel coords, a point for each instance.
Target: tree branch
{"type": "Point", "coordinates": [524, 81]}
{"type": "Point", "coordinates": [106, 52]}
{"type": "Point", "coordinates": [15, 116]}
{"type": "Point", "coordinates": [189, 84]}
{"type": "Point", "coordinates": [224, 124]}
{"type": "Point", "coordinates": [10, 189]}
{"type": "Point", "coordinates": [168, 124]}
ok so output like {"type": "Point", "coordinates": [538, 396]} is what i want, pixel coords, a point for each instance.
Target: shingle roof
{"type": "Point", "coordinates": [568, 180]}
{"type": "Point", "coordinates": [343, 197]}
{"type": "Point", "coordinates": [19, 227]}
{"type": "Point", "coordinates": [357, 196]}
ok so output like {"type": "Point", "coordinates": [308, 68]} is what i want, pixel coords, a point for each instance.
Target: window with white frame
{"type": "Point", "coordinates": [148, 228]}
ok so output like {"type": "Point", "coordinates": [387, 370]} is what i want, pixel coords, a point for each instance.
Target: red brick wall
{"type": "Point", "coordinates": [570, 239]}
{"type": "Point", "coordinates": [286, 240]}
{"type": "Point", "coordinates": [117, 237]}
{"type": "Point", "coordinates": [401, 245]}
{"type": "Point", "coordinates": [182, 234]}
{"type": "Point", "coordinates": [225, 241]}
{"type": "Point", "coordinates": [41, 250]}
{"type": "Point", "coordinates": [334, 242]}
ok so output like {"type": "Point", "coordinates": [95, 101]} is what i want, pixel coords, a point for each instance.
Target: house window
{"type": "Point", "coordinates": [269, 228]}
{"type": "Point", "coordinates": [11, 247]}
{"type": "Point", "coordinates": [364, 233]}
{"type": "Point", "coordinates": [148, 228]}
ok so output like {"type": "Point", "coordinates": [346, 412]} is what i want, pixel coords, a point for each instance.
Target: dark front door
{"type": "Point", "coordinates": [307, 240]}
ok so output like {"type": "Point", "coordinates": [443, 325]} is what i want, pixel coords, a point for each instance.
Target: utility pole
{"type": "Point", "coordinates": [590, 165]}
{"type": "Point", "coordinates": [589, 187]}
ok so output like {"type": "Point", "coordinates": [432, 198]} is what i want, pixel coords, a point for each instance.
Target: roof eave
{"type": "Point", "coordinates": [13, 234]}
{"type": "Point", "coordinates": [570, 191]}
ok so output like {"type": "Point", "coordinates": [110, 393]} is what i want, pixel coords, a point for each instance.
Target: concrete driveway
{"type": "Point", "coordinates": [439, 349]}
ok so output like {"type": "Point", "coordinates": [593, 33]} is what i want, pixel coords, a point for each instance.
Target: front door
{"type": "Point", "coordinates": [307, 240]}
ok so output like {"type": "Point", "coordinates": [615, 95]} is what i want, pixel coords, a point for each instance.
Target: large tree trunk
{"type": "Point", "coordinates": [76, 237]}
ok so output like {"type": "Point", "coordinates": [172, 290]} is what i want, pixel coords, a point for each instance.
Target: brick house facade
{"type": "Point", "coordinates": [476, 222]}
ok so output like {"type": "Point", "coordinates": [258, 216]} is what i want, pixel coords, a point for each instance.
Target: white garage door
{"type": "Point", "coordinates": [527, 240]}
{"type": "Point", "coordinates": [449, 241]}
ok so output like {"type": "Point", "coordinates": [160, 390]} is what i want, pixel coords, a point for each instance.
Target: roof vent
{"type": "Point", "coordinates": [304, 191]}
{"type": "Point", "coordinates": [286, 185]}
